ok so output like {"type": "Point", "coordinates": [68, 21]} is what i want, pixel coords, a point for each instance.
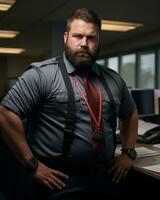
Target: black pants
{"type": "Point", "coordinates": [2, 197]}
{"type": "Point", "coordinates": [78, 187]}
{"type": "Point", "coordinates": [82, 184]}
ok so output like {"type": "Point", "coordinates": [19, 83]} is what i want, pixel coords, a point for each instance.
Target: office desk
{"type": "Point", "coordinates": [142, 183]}
{"type": "Point", "coordinates": [147, 161]}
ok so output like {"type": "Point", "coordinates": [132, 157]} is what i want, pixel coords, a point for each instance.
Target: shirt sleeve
{"type": "Point", "coordinates": [127, 105]}
{"type": "Point", "coordinates": [25, 96]}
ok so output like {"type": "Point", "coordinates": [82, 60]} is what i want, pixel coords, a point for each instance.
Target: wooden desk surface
{"type": "Point", "coordinates": [148, 161]}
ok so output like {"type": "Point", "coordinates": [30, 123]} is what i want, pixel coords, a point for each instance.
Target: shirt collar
{"type": "Point", "coordinates": [71, 69]}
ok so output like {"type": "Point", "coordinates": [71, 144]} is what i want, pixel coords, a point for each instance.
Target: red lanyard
{"type": "Point", "coordinates": [97, 122]}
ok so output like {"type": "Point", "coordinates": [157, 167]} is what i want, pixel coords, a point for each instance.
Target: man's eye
{"type": "Point", "coordinates": [91, 38]}
{"type": "Point", "coordinates": [78, 36]}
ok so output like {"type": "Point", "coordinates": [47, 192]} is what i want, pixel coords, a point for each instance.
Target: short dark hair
{"type": "Point", "coordinates": [85, 15]}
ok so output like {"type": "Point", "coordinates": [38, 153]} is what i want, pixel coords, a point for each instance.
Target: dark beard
{"type": "Point", "coordinates": [82, 60]}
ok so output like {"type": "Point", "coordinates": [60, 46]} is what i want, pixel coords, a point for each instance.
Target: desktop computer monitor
{"type": "Point", "coordinates": [145, 101]}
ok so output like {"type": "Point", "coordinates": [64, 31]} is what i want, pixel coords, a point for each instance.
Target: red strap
{"type": "Point", "coordinates": [97, 120]}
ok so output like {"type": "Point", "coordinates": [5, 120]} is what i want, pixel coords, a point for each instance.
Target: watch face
{"type": "Point", "coordinates": [133, 154]}
{"type": "Point", "coordinates": [130, 152]}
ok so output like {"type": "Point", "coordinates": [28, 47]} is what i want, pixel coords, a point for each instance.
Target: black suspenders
{"type": "Point", "coordinates": [113, 119]}
{"type": "Point", "coordinates": [71, 110]}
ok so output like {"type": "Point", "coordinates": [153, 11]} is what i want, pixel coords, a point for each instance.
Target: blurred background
{"type": "Point", "coordinates": [32, 30]}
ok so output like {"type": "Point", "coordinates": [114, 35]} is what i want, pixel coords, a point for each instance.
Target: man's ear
{"type": "Point", "coordinates": [65, 37]}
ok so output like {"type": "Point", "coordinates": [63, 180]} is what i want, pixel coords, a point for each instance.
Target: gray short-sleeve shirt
{"type": "Point", "coordinates": [40, 96]}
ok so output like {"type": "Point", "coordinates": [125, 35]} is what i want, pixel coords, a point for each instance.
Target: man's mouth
{"type": "Point", "coordinates": [83, 53]}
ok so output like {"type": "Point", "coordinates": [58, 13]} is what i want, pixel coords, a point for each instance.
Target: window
{"type": "Point", "coordinates": [128, 69]}
{"type": "Point", "coordinates": [158, 68]}
{"type": "Point", "coordinates": [146, 75]}
{"type": "Point", "coordinates": [101, 62]}
{"type": "Point", "coordinates": [113, 63]}
{"type": "Point", "coordinates": [139, 70]}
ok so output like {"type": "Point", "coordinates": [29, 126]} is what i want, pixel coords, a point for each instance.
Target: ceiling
{"type": "Point", "coordinates": [35, 18]}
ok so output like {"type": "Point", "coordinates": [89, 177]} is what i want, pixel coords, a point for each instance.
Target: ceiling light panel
{"type": "Point", "coordinates": [109, 25]}
{"type": "Point", "coordinates": [8, 34]}
{"type": "Point", "coordinates": [6, 4]}
{"type": "Point", "coordinates": [7, 50]}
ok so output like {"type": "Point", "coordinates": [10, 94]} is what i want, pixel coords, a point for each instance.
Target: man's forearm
{"type": "Point", "coordinates": [12, 130]}
{"type": "Point", "coordinates": [128, 130]}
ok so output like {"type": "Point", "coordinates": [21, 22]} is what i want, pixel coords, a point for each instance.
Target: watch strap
{"type": "Point", "coordinates": [131, 152]}
{"type": "Point", "coordinates": [32, 165]}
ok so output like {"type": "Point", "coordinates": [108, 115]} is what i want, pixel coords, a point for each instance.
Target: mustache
{"type": "Point", "coordinates": [83, 52]}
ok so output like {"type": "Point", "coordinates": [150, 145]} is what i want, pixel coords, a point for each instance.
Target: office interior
{"type": "Point", "coordinates": [134, 54]}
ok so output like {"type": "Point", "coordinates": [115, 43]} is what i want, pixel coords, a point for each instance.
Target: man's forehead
{"type": "Point", "coordinates": [79, 26]}
{"type": "Point", "coordinates": [80, 22]}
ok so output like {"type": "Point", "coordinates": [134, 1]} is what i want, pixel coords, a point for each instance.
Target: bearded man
{"type": "Point", "coordinates": [71, 105]}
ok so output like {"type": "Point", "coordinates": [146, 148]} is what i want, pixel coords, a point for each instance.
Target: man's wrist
{"type": "Point", "coordinates": [130, 152]}
{"type": "Point", "coordinates": [31, 165]}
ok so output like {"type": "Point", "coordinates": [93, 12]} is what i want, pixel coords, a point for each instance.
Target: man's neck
{"type": "Point", "coordinates": [83, 71]}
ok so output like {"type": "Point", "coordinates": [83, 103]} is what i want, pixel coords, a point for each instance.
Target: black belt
{"type": "Point", "coordinates": [67, 166]}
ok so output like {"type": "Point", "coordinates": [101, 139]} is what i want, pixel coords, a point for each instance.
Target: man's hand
{"type": "Point", "coordinates": [120, 167]}
{"type": "Point", "coordinates": [53, 179]}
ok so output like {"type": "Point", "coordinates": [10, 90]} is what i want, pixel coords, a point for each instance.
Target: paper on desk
{"type": "Point", "coordinates": [141, 152]}
{"type": "Point", "coordinates": [145, 126]}
{"type": "Point", "coordinates": [154, 168]}
{"type": "Point", "coordinates": [156, 145]}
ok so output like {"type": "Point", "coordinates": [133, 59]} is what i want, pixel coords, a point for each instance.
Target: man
{"type": "Point", "coordinates": [87, 166]}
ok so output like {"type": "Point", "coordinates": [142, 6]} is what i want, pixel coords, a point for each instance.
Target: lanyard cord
{"type": "Point", "coordinates": [97, 122]}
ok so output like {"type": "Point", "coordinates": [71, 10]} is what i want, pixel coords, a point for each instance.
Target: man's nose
{"type": "Point", "coordinates": [84, 41]}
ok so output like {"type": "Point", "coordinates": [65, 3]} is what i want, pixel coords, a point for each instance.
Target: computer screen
{"type": "Point", "coordinates": [145, 101]}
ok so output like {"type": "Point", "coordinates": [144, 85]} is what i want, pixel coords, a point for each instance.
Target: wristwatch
{"type": "Point", "coordinates": [130, 152]}
{"type": "Point", "coordinates": [32, 165]}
